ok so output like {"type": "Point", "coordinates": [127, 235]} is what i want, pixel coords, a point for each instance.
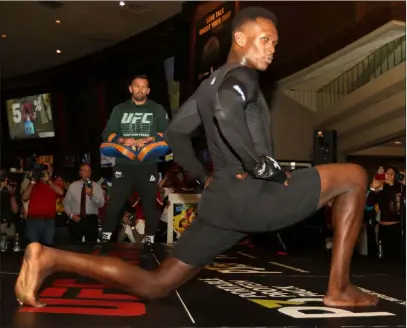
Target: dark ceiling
{"type": "Point", "coordinates": [31, 36]}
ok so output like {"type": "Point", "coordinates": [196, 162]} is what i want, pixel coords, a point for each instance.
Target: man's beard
{"type": "Point", "coordinates": [139, 97]}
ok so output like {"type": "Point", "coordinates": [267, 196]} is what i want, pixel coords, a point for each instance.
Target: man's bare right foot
{"type": "Point", "coordinates": [33, 272]}
{"type": "Point", "coordinates": [349, 296]}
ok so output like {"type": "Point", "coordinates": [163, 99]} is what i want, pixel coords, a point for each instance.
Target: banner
{"type": "Point", "coordinates": [213, 40]}
{"type": "Point", "coordinates": [183, 209]}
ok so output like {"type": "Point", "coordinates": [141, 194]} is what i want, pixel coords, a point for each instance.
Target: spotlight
{"type": "Point", "coordinates": [122, 3]}
{"type": "Point", "coordinates": [58, 51]}
{"type": "Point", "coordinates": [4, 36]}
{"type": "Point", "coordinates": [58, 21]}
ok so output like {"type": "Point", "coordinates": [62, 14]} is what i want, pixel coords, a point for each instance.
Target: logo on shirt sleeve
{"type": "Point", "coordinates": [239, 90]}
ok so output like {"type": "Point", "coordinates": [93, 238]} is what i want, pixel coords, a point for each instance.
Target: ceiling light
{"type": "Point", "coordinates": [4, 36]}
{"type": "Point", "coordinates": [58, 51]}
{"type": "Point", "coordinates": [58, 21]}
{"type": "Point", "coordinates": [122, 3]}
{"type": "Point", "coordinates": [397, 142]}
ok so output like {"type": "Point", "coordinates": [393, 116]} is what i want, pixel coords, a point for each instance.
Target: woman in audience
{"type": "Point", "coordinates": [387, 195]}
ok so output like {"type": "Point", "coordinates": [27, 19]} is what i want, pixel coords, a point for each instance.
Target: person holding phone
{"type": "Point", "coordinates": [383, 192]}
{"type": "Point", "coordinates": [82, 202]}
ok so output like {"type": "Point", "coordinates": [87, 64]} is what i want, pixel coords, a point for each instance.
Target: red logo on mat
{"type": "Point", "coordinates": [91, 299]}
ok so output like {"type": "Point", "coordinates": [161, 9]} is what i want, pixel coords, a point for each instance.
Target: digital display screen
{"type": "Point", "coordinates": [30, 117]}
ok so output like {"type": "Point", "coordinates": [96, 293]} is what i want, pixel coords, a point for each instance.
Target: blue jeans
{"type": "Point", "coordinates": [40, 231]}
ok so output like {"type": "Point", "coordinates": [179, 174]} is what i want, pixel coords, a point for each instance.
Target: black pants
{"type": "Point", "coordinates": [390, 236]}
{"type": "Point", "coordinates": [231, 208]}
{"type": "Point", "coordinates": [128, 179]}
{"type": "Point", "coordinates": [87, 226]}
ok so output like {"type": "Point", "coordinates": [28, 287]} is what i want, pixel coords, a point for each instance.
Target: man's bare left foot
{"type": "Point", "coordinates": [349, 296]}
{"type": "Point", "coordinates": [31, 276]}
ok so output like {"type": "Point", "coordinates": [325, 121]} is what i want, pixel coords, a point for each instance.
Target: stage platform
{"type": "Point", "coordinates": [245, 287]}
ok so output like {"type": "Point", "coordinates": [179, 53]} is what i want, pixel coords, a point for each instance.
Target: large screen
{"type": "Point", "coordinates": [30, 117]}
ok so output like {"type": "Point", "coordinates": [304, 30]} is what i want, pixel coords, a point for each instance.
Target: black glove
{"type": "Point", "coordinates": [268, 169]}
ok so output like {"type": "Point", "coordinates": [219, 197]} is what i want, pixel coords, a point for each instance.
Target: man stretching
{"type": "Point", "coordinates": [248, 192]}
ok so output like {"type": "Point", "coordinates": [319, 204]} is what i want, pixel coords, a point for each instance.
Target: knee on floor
{"type": "Point", "coordinates": [157, 289]}
{"type": "Point", "coordinates": [158, 292]}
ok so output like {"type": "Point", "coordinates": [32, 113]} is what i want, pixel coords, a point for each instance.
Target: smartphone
{"type": "Point", "coordinates": [380, 177]}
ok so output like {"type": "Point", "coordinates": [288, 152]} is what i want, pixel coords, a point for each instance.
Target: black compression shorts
{"type": "Point", "coordinates": [232, 208]}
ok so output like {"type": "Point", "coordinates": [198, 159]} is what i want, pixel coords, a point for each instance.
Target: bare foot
{"type": "Point", "coordinates": [32, 274]}
{"type": "Point", "coordinates": [349, 296]}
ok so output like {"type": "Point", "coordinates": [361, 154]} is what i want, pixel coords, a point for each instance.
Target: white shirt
{"type": "Point", "coordinates": [72, 201]}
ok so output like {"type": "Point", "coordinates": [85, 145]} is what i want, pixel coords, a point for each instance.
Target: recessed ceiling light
{"type": "Point", "coordinates": [58, 51]}
{"type": "Point", "coordinates": [122, 3]}
{"type": "Point", "coordinates": [58, 21]}
{"type": "Point", "coordinates": [4, 36]}
{"type": "Point", "coordinates": [397, 142]}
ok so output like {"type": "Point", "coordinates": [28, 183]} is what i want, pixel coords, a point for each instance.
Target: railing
{"type": "Point", "coordinates": [382, 60]}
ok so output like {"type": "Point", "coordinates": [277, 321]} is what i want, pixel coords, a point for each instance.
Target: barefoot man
{"type": "Point", "coordinates": [247, 193]}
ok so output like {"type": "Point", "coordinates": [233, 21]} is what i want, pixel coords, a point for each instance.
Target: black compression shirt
{"type": "Point", "coordinates": [236, 121]}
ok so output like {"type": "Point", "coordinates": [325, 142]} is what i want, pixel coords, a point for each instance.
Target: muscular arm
{"type": "Point", "coordinates": [236, 91]}
{"type": "Point", "coordinates": [178, 138]}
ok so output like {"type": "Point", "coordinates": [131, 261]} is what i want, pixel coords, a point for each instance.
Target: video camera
{"type": "Point", "coordinates": [39, 171]}
{"type": "Point", "coordinates": [400, 176]}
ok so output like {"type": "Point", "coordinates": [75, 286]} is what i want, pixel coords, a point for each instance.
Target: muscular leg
{"type": "Point", "coordinates": [196, 248]}
{"type": "Point", "coordinates": [346, 185]}
{"type": "Point", "coordinates": [40, 261]}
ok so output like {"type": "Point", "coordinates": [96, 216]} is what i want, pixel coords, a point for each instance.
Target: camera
{"type": "Point", "coordinates": [39, 171]}
{"type": "Point", "coordinates": [400, 176]}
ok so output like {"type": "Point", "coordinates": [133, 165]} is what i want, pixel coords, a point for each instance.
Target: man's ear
{"type": "Point", "coordinates": [240, 39]}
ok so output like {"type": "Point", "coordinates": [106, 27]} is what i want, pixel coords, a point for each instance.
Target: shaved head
{"type": "Point", "coordinates": [252, 14]}
{"type": "Point", "coordinates": [255, 37]}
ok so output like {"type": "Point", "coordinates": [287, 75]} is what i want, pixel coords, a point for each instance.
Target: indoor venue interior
{"type": "Point", "coordinates": [202, 164]}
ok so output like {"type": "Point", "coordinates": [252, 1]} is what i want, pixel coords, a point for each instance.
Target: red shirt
{"type": "Point", "coordinates": [43, 201]}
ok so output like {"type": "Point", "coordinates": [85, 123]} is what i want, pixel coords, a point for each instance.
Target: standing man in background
{"type": "Point", "coordinates": [133, 124]}
{"type": "Point", "coordinates": [82, 203]}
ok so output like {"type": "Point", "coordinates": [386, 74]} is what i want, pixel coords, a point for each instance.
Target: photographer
{"type": "Point", "coordinates": [9, 205]}
{"type": "Point", "coordinates": [387, 194]}
{"type": "Point", "coordinates": [42, 193]}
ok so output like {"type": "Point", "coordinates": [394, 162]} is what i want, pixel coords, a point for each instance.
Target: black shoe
{"type": "Point", "coordinates": [104, 238]}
